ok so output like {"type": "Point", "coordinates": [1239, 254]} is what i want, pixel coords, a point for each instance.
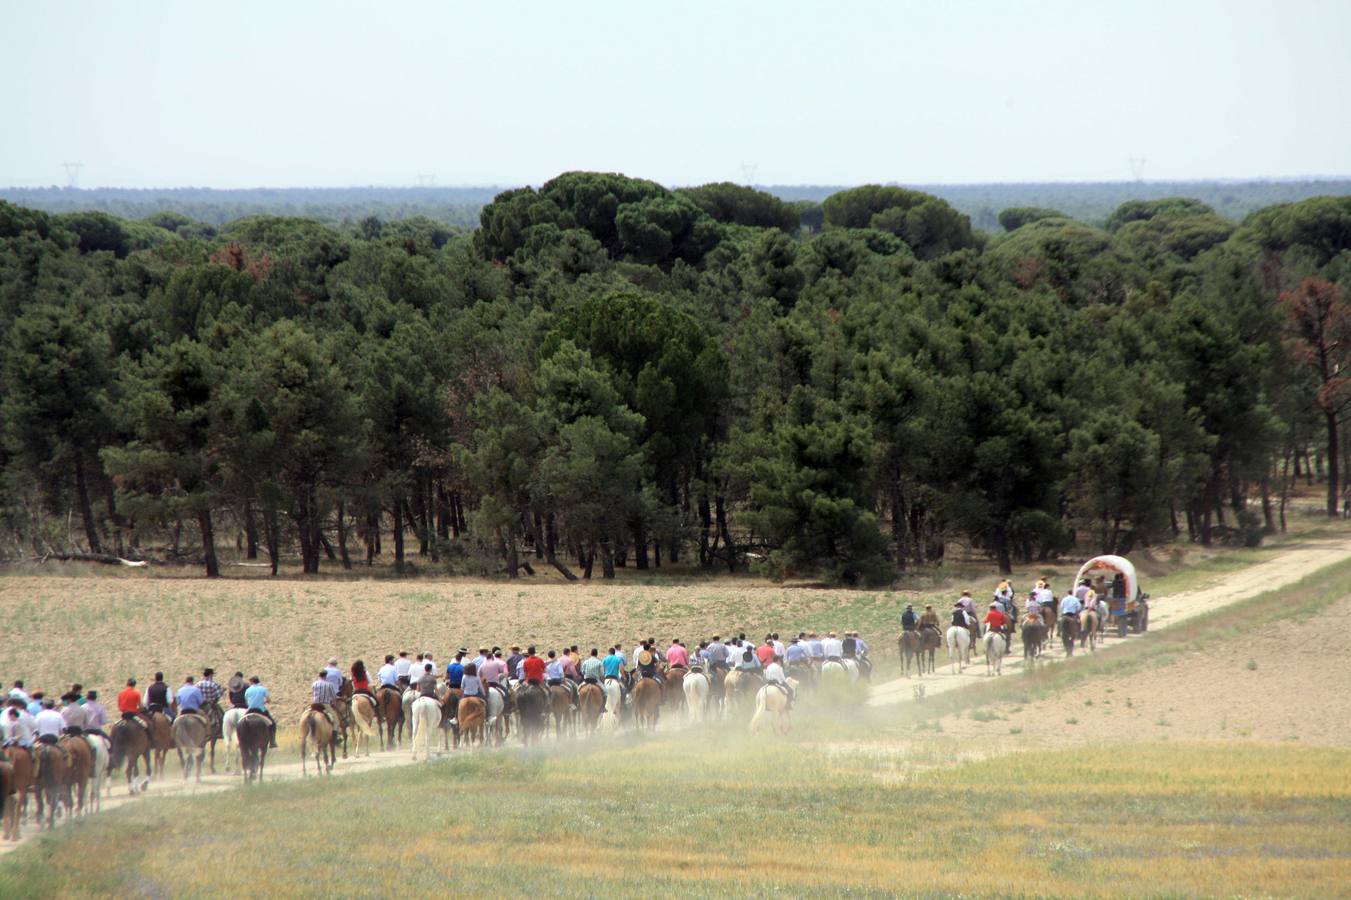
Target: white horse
{"type": "Point", "coordinates": [994, 653]}
{"type": "Point", "coordinates": [833, 669]}
{"type": "Point", "coordinates": [426, 718]}
{"type": "Point", "coordinates": [101, 749]}
{"type": "Point", "coordinates": [695, 687]}
{"type": "Point", "coordinates": [958, 640]}
{"type": "Point", "coordinates": [771, 705]}
{"type": "Point", "coordinates": [229, 724]}
{"type": "Point", "coordinates": [409, 695]}
{"type": "Point", "coordinates": [614, 702]}
{"type": "Point", "coordinates": [495, 727]}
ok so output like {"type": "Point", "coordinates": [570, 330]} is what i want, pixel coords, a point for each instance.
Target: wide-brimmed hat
{"type": "Point", "coordinates": [645, 658]}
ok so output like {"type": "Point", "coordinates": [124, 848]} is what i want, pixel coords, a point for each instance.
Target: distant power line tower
{"type": "Point", "coordinates": [72, 173]}
{"type": "Point", "coordinates": [426, 179]}
{"type": "Point", "coordinates": [748, 170]}
{"type": "Point", "coordinates": [1137, 164]}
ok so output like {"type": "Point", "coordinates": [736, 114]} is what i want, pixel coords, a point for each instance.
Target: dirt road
{"type": "Point", "coordinates": [1281, 570]}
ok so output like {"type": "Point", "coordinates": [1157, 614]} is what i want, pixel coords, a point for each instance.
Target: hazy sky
{"type": "Point", "coordinates": [283, 93]}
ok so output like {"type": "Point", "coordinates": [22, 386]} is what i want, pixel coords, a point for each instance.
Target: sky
{"type": "Point", "coordinates": [293, 94]}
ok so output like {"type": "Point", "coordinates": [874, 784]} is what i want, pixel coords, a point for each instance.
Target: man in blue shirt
{"type": "Point", "coordinates": [255, 698]}
{"type": "Point", "coordinates": [455, 671]}
{"type": "Point", "coordinates": [1070, 606]}
{"type": "Point", "coordinates": [189, 697]}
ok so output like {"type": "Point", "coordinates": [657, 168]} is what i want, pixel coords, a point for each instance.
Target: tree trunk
{"type": "Point", "coordinates": [1000, 544]}
{"type": "Point", "coordinates": [539, 535]}
{"type": "Point", "coordinates": [705, 526]}
{"type": "Point", "coordinates": [512, 556]}
{"type": "Point", "coordinates": [250, 531]}
{"type": "Point", "coordinates": [720, 516]}
{"type": "Point", "coordinates": [271, 527]}
{"type": "Point", "coordinates": [208, 544]}
{"type": "Point", "coordinates": [442, 513]}
{"type": "Point", "coordinates": [607, 561]}
{"type": "Point", "coordinates": [91, 531]}
{"type": "Point", "coordinates": [656, 554]}
{"type": "Point", "coordinates": [640, 545]}
{"type": "Point", "coordinates": [342, 536]}
{"type": "Point", "coordinates": [398, 533]}
{"type": "Point", "coordinates": [1334, 459]}
{"type": "Point", "coordinates": [587, 561]}
{"type": "Point", "coordinates": [551, 549]}
{"type": "Point", "coordinates": [1268, 514]}
{"type": "Point", "coordinates": [417, 518]}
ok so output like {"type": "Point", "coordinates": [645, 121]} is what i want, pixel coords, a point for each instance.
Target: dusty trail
{"type": "Point", "coordinates": [1281, 570]}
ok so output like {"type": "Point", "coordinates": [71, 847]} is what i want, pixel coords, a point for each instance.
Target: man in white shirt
{"type": "Point", "coordinates": [833, 646]}
{"type": "Point", "coordinates": [17, 726]}
{"type": "Point", "coordinates": [774, 674]}
{"type": "Point", "coordinates": [72, 712]}
{"type": "Point", "coordinates": [389, 672]}
{"type": "Point", "coordinates": [17, 692]}
{"type": "Point", "coordinates": [49, 723]}
{"type": "Point", "coordinates": [333, 674]}
{"type": "Point", "coordinates": [779, 648]}
{"type": "Point", "coordinates": [402, 666]}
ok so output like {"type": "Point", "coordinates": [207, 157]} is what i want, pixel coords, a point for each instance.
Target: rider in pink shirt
{"type": "Point", "coordinates": [677, 655]}
{"type": "Point", "coordinates": [492, 671]}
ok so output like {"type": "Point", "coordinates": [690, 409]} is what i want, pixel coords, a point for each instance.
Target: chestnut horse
{"type": "Point", "coordinates": [314, 726]}
{"type": "Point", "coordinates": [22, 764]}
{"type": "Point", "coordinates": [1090, 629]}
{"type": "Point", "coordinates": [53, 784]}
{"type": "Point", "coordinates": [1033, 634]}
{"type": "Point", "coordinates": [254, 735]}
{"type": "Point", "coordinates": [1069, 632]}
{"type": "Point", "coordinates": [9, 803]}
{"type": "Point", "coordinates": [930, 639]}
{"type": "Point", "coordinates": [161, 740]}
{"type": "Point", "coordinates": [131, 744]}
{"type": "Point", "coordinates": [80, 759]}
{"type": "Point", "coordinates": [389, 715]}
{"type": "Point", "coordinates": [560, 704]}
{"type": "Point", "coordinates": [472, 720]}
{"type": "Point", "coordinates": [907, 645]}
{"type": "Point", "coordinates": [647, 703]}
{"type": "Point", "coordinates": [591, 699]}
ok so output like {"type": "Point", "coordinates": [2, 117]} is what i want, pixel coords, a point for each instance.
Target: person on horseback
{"type": "Point", "coordinates": [677, 655]}
{"type": "Point", "coordinates": [402, 666]}
{"type": "Point", "coordinates": [514, 661]}
{"type": "Point", "coordinates": [19, 727]}
{"type": "Point", "coordinates": [255, 700]}
{"type": "Point", "coordinates": [471, 685]}
{"type": "Point", "coordinates": [211, 694]}
{"type": "Point", "coordinates": [493, 669]}
{"type": "Point", "coordinates": [613, 669]}
{"type": "Point", "coordinates": [17, 692]}
{"type": "Point", "coordinates": [532, 667]}
{"type": "Point", "coordinates": [49, 723]}
{"type": "Point", "coordinates": [592, 668]}
{"type": "Point", "coordinates": [1071, 606]}
{"type": "Point", "coordinates": [856, 648]}
{"type": "Point", "coordinates": [95, 716]}
{"type": "Point", "coordinates": [72, 712]}
{"type": "Point", "coordinates": [455, 671]}
{"type": "Point", "coordinates": [999, 623]}
{"type": "Point", "coordinates": [1003, 595]}
{"type": "Point", "coordinates": [426, 683]}
{"type": "Point", "coordinates": [388, 674]}
{"type": "Point", "coordinates": [570, 673]}
{"type": "Point", "coordinates": [718, 654]}
{"type": "Point", "coordinates": [929, 618]}
{"type": "Point", "coordinates": [361, 681]}
{"type": "Point", "coordinates": [647, 663]}
{"type": "Point", "coordinates": [190, 698]}
{"type": "Point", "coordinates": [129, 705]}
{"type": "Point", "coordinates": [960, 617]}
{"type": "Point", "coordinates": [333, 675]}
{"type": "Point", "coordinates": [235, 689]}
{"type": "Point", "coordinates": [909, 619]}
{"type": "Point", "coordinates": [322, 695]}
{"type": "Point", "coordinates": [556, 674]}
{"type": "Point", "coordinates": [775, 675]}
{"type": "Point", "coordinates": [158, 698]}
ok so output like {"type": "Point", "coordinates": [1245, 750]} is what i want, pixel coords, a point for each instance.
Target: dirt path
{"type": "Point", "coordinates": [1284, 569]}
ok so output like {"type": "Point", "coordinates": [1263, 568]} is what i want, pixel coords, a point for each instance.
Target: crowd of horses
{"type": "Point", "coordinates": [71, 777]}
{"type": "Point", "coordinates": [918, 649]}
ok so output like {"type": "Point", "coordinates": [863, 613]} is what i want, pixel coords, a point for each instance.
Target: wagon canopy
{"type": "Point", "coordinates": [1117, 565]}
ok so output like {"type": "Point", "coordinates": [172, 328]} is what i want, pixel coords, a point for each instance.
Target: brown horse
{"type": "Point", "coordinates": [930, 639]}
{"type": "Point", "coordinates": [472, 720]}
{"type": "Point", "coordinates": [647, 703]}
{"type": "Point", "coordinates": [591, 699]}
{"type": "Point", "coordinates": [674, 691]}
{"type": "Point", "coordinates": [1090, 629]}
{"type": "Point", "coordinates": [315, 727]}
{"type": "Point", "coordinates": [25, 778]}
{"type": "Point", "coordinates": [131, 744]}
{"type": "Point", "coordinates": [1033, 633]}
{"type": "Point", "coordinates": [81, 766]}
{"type": "Point", "coordinates": [254, 734]}
{"type": "Point", "coordinates": [560, 704]}
{"type": "Point", "coordinates": [1048, 619]}
{"type": "Point", "coordinates": [389, 714]}
{"type": "Point", "coordinates": [161, 740]}
{"type": "Point", "coordinates": [1069, 632]}
{"type": "Point", "coordinates": [342, 717]}
{"type": "Point", "coordinates": [362, 723]}
{"type": "Point", "coordinates": [53, 781]}
{"type": "Point", "coordinates": [9, 803]}
{"type": "Point", "coordinates": [191, 733]}
{"type": "Point", "coordinates": [907, 646]}
{"type": "Point", "coordinates": [532, 707]}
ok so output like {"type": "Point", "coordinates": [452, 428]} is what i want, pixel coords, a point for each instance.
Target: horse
{"type": "Point", "coordinates": [1069, 631]}
{"type": "Point", "coordinates": [532, 706]}
{"type": "Point", "coordinates": [131, 744]}
{"type": "Point", "coordinates": [342, 717]}
{"type": "Point", "coordinates": [498, 726]}
{"type": "Point", "coordinates": [471, 720]}
{"type": "Point", "coordinates": [9, 803]}
{"type": "Point", "coordinates": [1048, 618]}
{"type": "Point", "coordinates": [1090, 629]}
{"type": "Point", "coordinates": [958, 641]}
{"type": "Point", "coordinates": [254, 734]}
{"type": "Point", "coordinates": [99, 750]}
{"type": "Point", "coordinates": [426, 720]}
{"type": "Point", "coordinates": [191, 733]}
{"type": "Point", "coordinates": [560, 704]}
{"type": "Point", "coordinates": [591, 700]}
{"type": "Point", "coordinates": [406, 701]}
{"type": "Point", "coordinates": [229, 726]}
{"type": "Point", "coordinates": [315, 726]}
{"type": "Point", "coordinates": [674, 691]}
{"type": "Point", "coordinates": [362, 722]}
{"type": "Point", "coordinates": [22, 764]}
{"type": "Point", "coordinates": [80, 759]}
{"type": "Point", "coordinates": [52, 781]}
{"type": "Point", "coordinates": [389, 715]}
{"type": "Point", "coordinates": [907, 647]}
{"type": "Point", "coordinates": [614, 703]}
{"type": "Point", "coordinates": [647, 703]}
{"type": "Point", "coordinates": [995, 647]}
{"type": "Point", "coordinates": [695, 687]}
{"type": "Point", "coordinates": [215, 721]}
{"type": "Point", "coordinates": [161, 740]}
{"type": "Point", "coordinates": [930, 639]}
{"type": "Point", "coordinates": [771, 705]}
{"type": "Point", "coordinates": [835, 669]}
{"type": "Point", "coordinates": [1034, 636]}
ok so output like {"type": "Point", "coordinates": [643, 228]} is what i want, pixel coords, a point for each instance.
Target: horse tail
{"type": "Point", "coordinates": [759, 709]}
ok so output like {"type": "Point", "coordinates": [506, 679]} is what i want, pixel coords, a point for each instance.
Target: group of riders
{"type": "Point", "coordinates": [1003, 614]}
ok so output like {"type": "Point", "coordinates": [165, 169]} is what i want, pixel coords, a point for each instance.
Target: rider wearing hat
{"type": "Point", "coordinates": [909, 620]}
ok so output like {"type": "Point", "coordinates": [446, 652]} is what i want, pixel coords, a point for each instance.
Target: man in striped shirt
{"type": "Point", "coordinates": [322, 695]}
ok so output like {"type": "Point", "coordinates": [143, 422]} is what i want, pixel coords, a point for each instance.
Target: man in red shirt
{"type": "Point", "coordinates": [765, 652]}
{"type": "Point", "coordinates": [998, 623]}
{"type": "Point", "coordinates": [129, 703]}
{"type": "Point", "coordinates": [533, 667]}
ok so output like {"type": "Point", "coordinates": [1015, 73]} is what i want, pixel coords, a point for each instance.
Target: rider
{"type": "Point", "coordinates": [774, 675]}
{"type": "Point", "coordinates": [532, 667]}
{"type": "Point", "coordinates": [765, 652]}
{"type": "Point", "coordinates": [361, 682]}
{"type": "Point", "coordinates": [909, 620]}
{"type": "Point", "coordinates": [1032, 609]}
{"type": "Point", "coordinates": [592, 669]}
{"type": "Point", "coordinates": [236, 688]}
{"type": "Point", "coordinates": [471, 685]}
{"type": "Point", "coordinates": [1003, 595]}
{"type": "Point", "coordinates": [72, 713]}
{"type": "Point", "coordinates": [95, 716]}
{"type": "Point", "coordinates": [190, 698]}
{"type": "Point", "coordinates": [555, 673]}
{"type": "Point", "coordinates": [513, 661]}
{"type": "Point", "coordinates": [966, 603]}
{"type": "Point", "coordinates": [816, 650]}
{"type": "Point", "coordinates": [647, 663]}
{"type": "Point", "coordinates": [255, 699]}
{"type": "Point", "coordinates": [998, 622]}
{"type": "Point", "coordinates": [856, 648]}
{"type": "Point", "coordinates": [613, 668]}
{"type": "Point", "coordinates": [211, 694]}
{"type": "Point", "coordinates": [49, 723]}
{"type": "Point", "coordinates": [334, 675]}
{"type": "Point", "coordinates": [17, 692]}
{"type": "Point", "coordinates": [322, 695]}
{"type": "Point", "coordinates": [960, 617]}
{"type": "Point", "coordinates": [717, 654]}
{"type": "Point", "coordinates": [158, 698]}
{"type": "Point", "coordinates": [402, 666]}
{"type": "Point", "coordinates": [1071, 606]}
{"type": "Point", "coordinates": [677, 655]}
{"type": "Point", "coordinates": [426, 683]}
{"type": "Point", "coordinates": [569, 669]}
{"type": "Point", "coordinates": [388, 675]}
{"type": "Point", "coordinates": [19, 727]}
{"type": "Point", "coordinates": [929, 618]}
{"type": "Point", "coordinates": [129, 704]}
{"type": "Point", "coordinates": [455, 671]}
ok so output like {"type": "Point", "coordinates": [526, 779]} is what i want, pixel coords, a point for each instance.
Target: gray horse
{"type": "Point", "coordinates": [191, 732]}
